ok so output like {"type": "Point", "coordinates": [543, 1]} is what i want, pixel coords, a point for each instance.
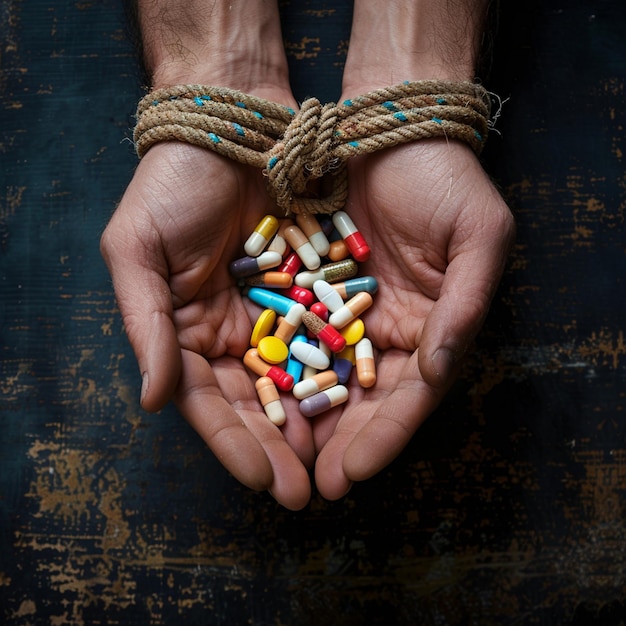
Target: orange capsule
{"type": "Point", "coordinates": [271, 280]}
{"type": "Point", "coordinates": [302, 246]}
{"type": "Point", "coordinates": [351, 309]}
{"type": "Point", "coordinates": [270, 400]}
{"type": "Point", "coordinates": [365, 364]}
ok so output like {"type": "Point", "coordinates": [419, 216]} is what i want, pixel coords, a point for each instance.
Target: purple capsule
{"type": "Point", "coordinates": [249, 265]}
{"type": "Point", "coordinates": [323, 401]}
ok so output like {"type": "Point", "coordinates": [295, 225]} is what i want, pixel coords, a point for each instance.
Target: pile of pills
{"type": "Point", "coordinates": [309, 336]}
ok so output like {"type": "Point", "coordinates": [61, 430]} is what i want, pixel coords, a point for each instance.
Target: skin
{"type": "Point", "coordinates": [439, 244]}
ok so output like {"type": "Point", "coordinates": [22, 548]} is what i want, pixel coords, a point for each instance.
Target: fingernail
{"type": "Point", "coordinates": [443, 362]}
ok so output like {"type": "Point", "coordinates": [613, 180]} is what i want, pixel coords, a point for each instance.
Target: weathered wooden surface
{"type": "Point", "coordinates": [508, 506]}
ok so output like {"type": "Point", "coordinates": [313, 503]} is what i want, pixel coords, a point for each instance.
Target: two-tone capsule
{"type": "Point", "coordinates": [323, 401]}
{"type": "Point", "coordinates": [261, 236]}
{"type": "Point", "coordinates": [270, 400]}
{"type": "Point", "coordinates": [330, 272]}
{"type": "Point", "coordinates": [351, 235]}
{"type": "Point", "coordinates": [365, 363]}
{"type": "Point", "coordinates": [256, 364]}
{"type": "Point", "coordinates": [316, 383]}
{"type": "Point", "coordinates": [302, 247]}
{"type": "Point", "coordinates": [324, 332]}
{"type": "Point", "coordinates": [351, 309]}
{"type": "Point", "coordinates": [249, 265]}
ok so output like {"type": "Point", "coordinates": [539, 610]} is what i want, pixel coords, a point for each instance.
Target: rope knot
{"type": "Point", "coordinates": [302, 157]}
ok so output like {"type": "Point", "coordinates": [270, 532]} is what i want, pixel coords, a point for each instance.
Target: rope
{"type": "Point", "coordinates": [294, 149]}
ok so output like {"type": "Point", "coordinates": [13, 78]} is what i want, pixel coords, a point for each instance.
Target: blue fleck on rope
{"type": "Point", "coordinates": [295, 148]}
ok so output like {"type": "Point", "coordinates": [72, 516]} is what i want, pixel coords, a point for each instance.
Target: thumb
{"type": "Point", "coordinates": [138, 271]}
{"type": "Point", "coordinates": [469, 285]}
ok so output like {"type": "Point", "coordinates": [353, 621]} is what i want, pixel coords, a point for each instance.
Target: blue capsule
{"type": "Point", "coordinates": [270, 300]}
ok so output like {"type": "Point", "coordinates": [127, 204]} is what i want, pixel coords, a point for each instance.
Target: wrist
{"type": "Point", "coordinates": [234, 44]}
{"type": "Point", "coordinates": [394, 42]}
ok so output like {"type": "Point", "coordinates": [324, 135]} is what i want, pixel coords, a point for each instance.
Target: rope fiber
{"type": "Point", "coordinates": [293, 149]}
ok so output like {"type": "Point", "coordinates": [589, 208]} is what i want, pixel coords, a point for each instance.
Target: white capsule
{"type": "Point", "coordinates": [261, 235]}
{"type": "Point", "coordinates": [351, 309]}
{"type": "Point", "coordinates": [365, 363]}
{"type": "Point", "coordinates": [270, 399]}
{"type": "Point", "coordinates": [302, 247]}
{"type": "Point", "coordinates": [319, 382]}
{"type": "Point", "coordinates": [328, 295]}
{"type": "Point", "coordinates": [309, 355]}
{"type": "Point", "coordinates": [290, 323]}
{"type": "Point", "coordinates": [312, 229]}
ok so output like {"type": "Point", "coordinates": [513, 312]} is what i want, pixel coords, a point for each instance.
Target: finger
{"type": "Point", "coordinates": [199, 399]}
{"type": "Point", "coordinates": [298, 433]}
{"type": "Point", "coordinates": [330, 478]}
{"type": "Point", "coordinates": [395, 416]}
{"type": "Point", "coordinates": [230, 388]}
{"type": "Point", "coordinates": [376, 427]}
{"type": "Point", "coordinates": [144, 299]}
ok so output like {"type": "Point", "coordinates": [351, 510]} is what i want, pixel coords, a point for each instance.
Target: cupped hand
{"type": "Point", "coordinates": [439, 233]}
{"type": "Point", "coordinates": [182, 219]}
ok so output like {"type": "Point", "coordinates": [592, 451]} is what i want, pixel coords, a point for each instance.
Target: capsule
{"type": "Point", "coordinates": [249, 265]}
{"type": "Point", "coordinates": [320, 309]}
{"type": "Point", "coordinates": [272, 350]}
{"type": "Point", "coordinates": [270, 280]}
{"type": "Point", "coordinates": [328, 295]}
{"type": "Point", "coordinates": [323, 401]}
{"type": "Point", "coordinates": [270, 300]}
{"type": "Point", "coordinates": [324, 332]}
{"type": "Point", "coordinates": [319, 382]}
{"type": "Point", "coordinates": [290, 323]}
{"type": "Point", "coordinates": [351, 309]}
{"type": "Point", "coordinates": [302, 247]}
{"type": "Point", "coordinates": [278, 243]}
{"type": "Point", "coordinates": [337, 250]}
{"type": "Point", "coordinates": [256, 364]}
{"type": "Point", "coordinates": [331, 273]}
{"type": "Point", "coordinates": [261, 235]}
{"type": "Point", "coordinates": [270, 400]}
{"type": "Point", "coordinates": [299, 294]}
{"type": "Point", "coordinates": [365, 364]}
{"type": "Point", "coordinates": [343, 364]}
{"type": "Point", "coordinates": [309, 355]}
{"type": "Point", "coordinates": [354, 239]}
{"type": "Point", "coordinates": [263, 327]}
{"type": "Point", "coordinates": [291, 264]}
{"type": "Point", "coordinates": [351, 287]}
{"type": "Point", "coordinates": [294, 367]}
{"type": "Point", "coordinates": [309, 225]}
{"type": "Point", "coordinates": [308, 372]}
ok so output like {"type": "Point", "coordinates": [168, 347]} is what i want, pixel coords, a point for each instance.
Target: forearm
{"type": "Point", "coordinates": [234, 44]}
{"type": "Point", "coordinates": [413, 40]}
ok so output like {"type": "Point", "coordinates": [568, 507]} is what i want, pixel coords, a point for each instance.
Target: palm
{"type": "Point", "coordinates": [183, 218]}
{"type": "Point", "coordinates": [427, 211]}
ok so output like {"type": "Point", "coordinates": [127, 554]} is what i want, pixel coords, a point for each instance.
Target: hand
{"type": "Point", "coordinates": [183, 218]}
{"type": "Point", "coordinates": [439, 233]}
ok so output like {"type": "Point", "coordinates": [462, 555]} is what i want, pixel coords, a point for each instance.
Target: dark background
{"type": "Point", "coordinates": [508, 505]}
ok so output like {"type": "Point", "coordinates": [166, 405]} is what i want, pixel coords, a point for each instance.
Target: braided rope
{"type": "Point", "coordinates": [295, 148]}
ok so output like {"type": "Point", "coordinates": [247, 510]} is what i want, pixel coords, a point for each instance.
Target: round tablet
{"type": "Point", "coordinates": [263, 327]}
{"type": "Point", "coordinates": [353, 332]}
{"type": "Point", "coordinates": [272, 350]}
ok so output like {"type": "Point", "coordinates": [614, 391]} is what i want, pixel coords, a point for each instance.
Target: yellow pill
{"type": "Point", "coordinates": [260, 237]}
{"type": "Point", "coordinates": [353, 332]}
{"type": "Point", "coordinates": [273, 350]}
{"type": "Point", "coordinates": [263, 327]}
